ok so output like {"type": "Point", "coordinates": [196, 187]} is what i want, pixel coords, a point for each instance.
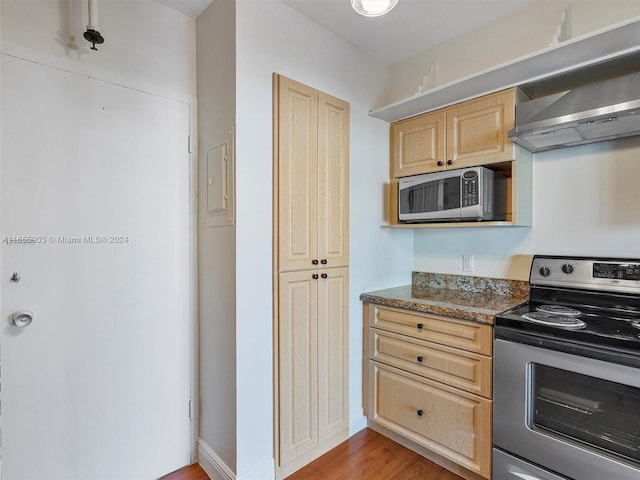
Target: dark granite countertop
{"type": "Point", "coordinates": [470, 298]}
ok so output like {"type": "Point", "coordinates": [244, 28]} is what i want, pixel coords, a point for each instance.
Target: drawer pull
{"type": "Point", "coordinates": [420, 413]}
{"type": "Point", "coordinates": [420, 326]}
{"type": "Point", "coordinates": [420, 358]}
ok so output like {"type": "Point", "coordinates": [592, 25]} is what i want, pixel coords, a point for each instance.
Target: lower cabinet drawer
{"type": "Point", "coordinates": [448, 421]}
{"type": "Point", "coordinates": [466, 335]}
{"type": "Point", "coordinates": [466, 370]}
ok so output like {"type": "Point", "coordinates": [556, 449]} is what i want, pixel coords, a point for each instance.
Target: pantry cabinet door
{"type": "Point", "coordinates": [298, 361]}
{"type": "Point", "coordinates": [333, 347]}
{"type": "Point", "coordinates": [297, 153]}
{"type": "Point", "coordinates": [477, 130]}
{"type": "Point", "coordinates": [333, 181]}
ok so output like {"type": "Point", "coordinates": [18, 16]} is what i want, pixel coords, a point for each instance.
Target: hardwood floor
{"type": "Point", "coordinates": [367, 455]}
{"type": "Point", "coordinates": [192, 472]}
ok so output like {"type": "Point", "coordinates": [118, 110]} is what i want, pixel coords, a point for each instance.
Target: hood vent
{"type": "Point", "coordinates": [588, 114]}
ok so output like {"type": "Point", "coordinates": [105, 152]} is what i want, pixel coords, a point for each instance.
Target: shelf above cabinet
{"type": "Point", "coordinates": [571, 55]}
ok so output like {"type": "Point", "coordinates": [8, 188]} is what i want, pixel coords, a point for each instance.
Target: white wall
{"type": "Point", "coordinates": [216, 253]}
{"type": "Point", "coordinates": [147, 45]}
{"type": "Point", "coordinates": [271, 37]}
{"type": "Point", "coordinates": [520, 33]}
{"type": "Point", "coordinates": [585, 203]}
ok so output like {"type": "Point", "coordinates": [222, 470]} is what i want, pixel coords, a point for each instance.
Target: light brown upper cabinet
{"type": "Point", "coordinates": [463, 135]}
{"type": "Point", "coordinates": [313, 178]}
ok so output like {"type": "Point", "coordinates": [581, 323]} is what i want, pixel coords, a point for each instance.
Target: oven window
{"type": "Point", "coordinates": [599, 414]}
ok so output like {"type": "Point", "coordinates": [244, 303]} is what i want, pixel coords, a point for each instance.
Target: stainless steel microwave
{"type": "Point", "coordinates": [468, 194]}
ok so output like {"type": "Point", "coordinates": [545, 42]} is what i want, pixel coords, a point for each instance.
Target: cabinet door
{"type": "Point", "coordinates": [333, 361]}
{"type": "Point", "coordinates": [477, 130]}
{"type": "Point", "coordinates": [418, 144]}
{"type": "Point", "coordinates": [333, 181]}
{"type": "Point", "coordinates": [297, 360]}
{"type": "Point", "coordinates": [450, 422]}
{"type": "Point", "coordinates": [297, 145]}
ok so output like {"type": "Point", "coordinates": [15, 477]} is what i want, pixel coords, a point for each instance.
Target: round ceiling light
{"type": "Point", "coordinates": [373, 8]}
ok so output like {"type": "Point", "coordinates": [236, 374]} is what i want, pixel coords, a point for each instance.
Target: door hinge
{"type": "Point", "coordinates": [189, 143]}
{"type": "Point", "coordinates": [190, 410]}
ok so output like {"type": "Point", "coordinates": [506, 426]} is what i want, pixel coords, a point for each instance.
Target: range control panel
{"type": "Point", "coordinates": [620, 271]}
{"type": "Point", "coordinates": [611, 274]}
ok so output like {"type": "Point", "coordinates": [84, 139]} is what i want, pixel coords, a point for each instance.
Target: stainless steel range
{"type": "Point", "coordinates": [567, 374]}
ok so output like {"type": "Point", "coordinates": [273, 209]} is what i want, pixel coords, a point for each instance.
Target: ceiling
{"type": "Point", "coordinates": [192, 8]}
{"type": "Point", "coordinates": [411, 27]}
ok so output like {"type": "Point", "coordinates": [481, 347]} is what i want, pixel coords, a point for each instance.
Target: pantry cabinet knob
{"type": "Point", "coordinates": [449, 162]}
{"type": "Point", "coordinates": [323, 261]}
{"type": "Point", "coordinates": [324, 275]}
{"type": "Point", "coordinates": [314, 276]}
{"type": "Point", "coordinates": [314, 261]}
{"type": "Point", "coordinates": [440, 163]}
{"type": "Point", "coordinates": [420, 326]}
{"type": "Point", "coordinates": [420, 413]}
{"type": "Point", "coordinates": [420, 358]}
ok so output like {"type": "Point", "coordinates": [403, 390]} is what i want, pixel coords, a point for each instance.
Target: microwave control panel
{"type": "Point", "coordinates": [470, 188]}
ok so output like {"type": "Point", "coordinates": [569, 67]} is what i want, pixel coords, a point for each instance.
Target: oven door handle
{"type": "Point", "coordinates": [517, 472]}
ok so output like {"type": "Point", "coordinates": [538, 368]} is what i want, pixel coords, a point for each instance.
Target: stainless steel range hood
{"type": "Point", "coordinates": [587, 114]}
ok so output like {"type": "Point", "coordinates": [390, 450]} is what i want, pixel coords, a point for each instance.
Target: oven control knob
{"type": "Point", "coordinates": [566, 268]}
{"type": "Point", "coordinates": [545, 271]}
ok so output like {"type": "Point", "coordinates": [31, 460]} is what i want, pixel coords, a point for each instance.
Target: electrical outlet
{"type": "Point", "coordinates": [467, 263]}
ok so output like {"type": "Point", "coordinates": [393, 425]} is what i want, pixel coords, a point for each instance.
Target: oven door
{"type": "Point", "coordinates": [576, 416]}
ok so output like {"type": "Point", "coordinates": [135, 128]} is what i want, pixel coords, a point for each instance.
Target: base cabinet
{"type": "Point", "coordinates": [427, 390]}
{"type": "Point", "coordinates": [313, 357]}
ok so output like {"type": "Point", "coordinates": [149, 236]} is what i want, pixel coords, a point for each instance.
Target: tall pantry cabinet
{"type": "Point", "coordinates": [311, 273]}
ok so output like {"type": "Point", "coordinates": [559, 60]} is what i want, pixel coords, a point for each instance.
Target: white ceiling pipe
{"type": "Point", "coordinates": [93, 15]}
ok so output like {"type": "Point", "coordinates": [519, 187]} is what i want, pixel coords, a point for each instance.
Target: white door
{"type": "Point", "coordinates": [95, 220]}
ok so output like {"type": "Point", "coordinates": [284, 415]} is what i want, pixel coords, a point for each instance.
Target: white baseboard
{"type": "Point", "coordinates": [212, 464]}
{"type": "Point", "coordinates": [357, 421]}
{"type": "Point", "coordinates": [265, 471]}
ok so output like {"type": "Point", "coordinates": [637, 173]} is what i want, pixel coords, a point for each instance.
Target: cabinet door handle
{"type": "Point", "coordinates": [440, 163]}
{"type": "Point", "coordinates": [420, 358]}
{"type": "Point", "coordinates": [314, 276]}
{"type": "Point", "coordinates": [324, 275]}
{"type": "Point", "coordinates": [323, 261]}
{"type": "Point", "coordinates": [314, 261]}
{"type": "Point", "coordinates": [420, 413]}
{"type": "Point", "coordinates": [449, 162]}
{"type": "Point", "coordinates": [420, 326]}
